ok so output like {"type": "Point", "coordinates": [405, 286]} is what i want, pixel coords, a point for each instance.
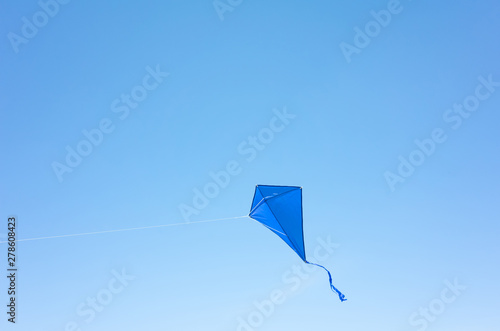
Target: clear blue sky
{"type": "Point", "coordinates": [403, 232]}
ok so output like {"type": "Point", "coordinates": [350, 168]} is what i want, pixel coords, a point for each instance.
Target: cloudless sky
{"type": "Point", "coordinates": [226, 81]}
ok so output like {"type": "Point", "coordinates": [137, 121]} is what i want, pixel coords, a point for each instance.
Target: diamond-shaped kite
{"type": "Point", "coordinates": [279, 208]}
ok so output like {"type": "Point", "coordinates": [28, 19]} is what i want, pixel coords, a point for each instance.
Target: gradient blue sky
{"type": "Point", "coordinates": [353, 120]}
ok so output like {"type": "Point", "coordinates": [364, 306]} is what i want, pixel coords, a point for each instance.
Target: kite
{"type": "Point", "coordinates": [279, 208]}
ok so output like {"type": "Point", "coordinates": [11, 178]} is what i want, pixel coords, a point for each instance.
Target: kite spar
{"type": "Point", "coordinates": [279, 208]}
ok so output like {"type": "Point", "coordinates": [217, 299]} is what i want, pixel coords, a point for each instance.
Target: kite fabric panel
{"type": "Point", "coordinates": [279, 208]}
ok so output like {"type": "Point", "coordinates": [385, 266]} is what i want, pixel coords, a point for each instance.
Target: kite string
{"type": "Point", "coordinates": [126, 229]}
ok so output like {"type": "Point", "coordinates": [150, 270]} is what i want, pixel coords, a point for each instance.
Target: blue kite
{"type": "Point", "coordinates": [279, 208]}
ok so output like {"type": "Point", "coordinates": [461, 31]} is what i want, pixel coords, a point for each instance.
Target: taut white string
{"type": "Point", "coordinates": [127, 229]}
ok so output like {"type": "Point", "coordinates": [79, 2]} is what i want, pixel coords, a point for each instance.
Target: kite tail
{"type": "Point", "coordinates": [341, 296]}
